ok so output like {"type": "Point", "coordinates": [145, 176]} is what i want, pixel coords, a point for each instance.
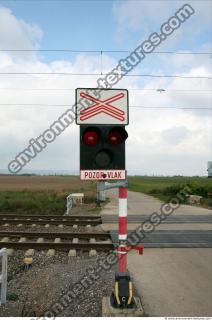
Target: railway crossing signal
{"type": "Point", "coordinates": [102, 123]}
{"type": "Point", "coordinates": [102, 148]}
{"type": "Point", "coordinates": [102, 133]}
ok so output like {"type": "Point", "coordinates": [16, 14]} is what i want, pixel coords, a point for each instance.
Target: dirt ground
{"type": "Point", "coordinates": [19, 183]}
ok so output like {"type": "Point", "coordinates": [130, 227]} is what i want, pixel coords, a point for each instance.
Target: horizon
{"type": "Point", "coordinates": [42, 62]}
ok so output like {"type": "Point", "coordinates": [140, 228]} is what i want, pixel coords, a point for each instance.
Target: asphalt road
{"type": "Point", "coordinates": [170, 281]}
{"type": "Point", "coordinates": [170, 219]}
{"type": "Point", "coordinates": [174, 239]}
{"type": "Point", "coordinates": [173, 282]}
{"type": "Point", "coordinates": [141, 204]}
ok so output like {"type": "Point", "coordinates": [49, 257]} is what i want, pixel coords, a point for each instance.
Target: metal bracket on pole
{"type": "Point", "coordinates": [98, 200]}
{"type": "Point", "coordinates": [103, 185]}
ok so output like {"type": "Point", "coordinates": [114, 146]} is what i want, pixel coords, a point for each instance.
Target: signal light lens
{"type": "Point", "coordinates": [90, 137]}
{"type": "Point", "coordinates": [117, 136]}
{"type": "Point", "coordinates": [103, 158]}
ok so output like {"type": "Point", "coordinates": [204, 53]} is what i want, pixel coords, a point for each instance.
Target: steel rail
{"type": "Point", "coordinates": [53, 235]}
{"type": "Point", "coordinates": [62, 246]}
{"type": "Point", "coordinates": [67, 217]}
{"type": "Point", "coordinates": [51, 222]}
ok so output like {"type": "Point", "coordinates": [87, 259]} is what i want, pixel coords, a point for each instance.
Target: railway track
{"type": "Point", "coordinates": [67, 217]}
{"type": "Point", "coordinates": [84, 241]}
{"type": "Point", "coordinates": [72, 242]}
{"type": "Point", "coordinates": [50, 220]}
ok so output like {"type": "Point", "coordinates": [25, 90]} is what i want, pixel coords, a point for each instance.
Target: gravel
{"type": "Point", "coordinates": [51, 228]}
{"type": "Point", "coordinates": [32, 292]}
{"type": "Point", "coordinates": [49, 279]}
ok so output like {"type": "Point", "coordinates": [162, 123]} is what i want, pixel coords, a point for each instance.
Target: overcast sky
{"type": "Point", "coordinates": [161, 141]}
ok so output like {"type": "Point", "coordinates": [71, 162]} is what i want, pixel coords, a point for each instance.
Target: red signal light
{"type": "Point", "coordinates": [117, 136]}
{"type": "Point", "coordinates": [90, 138]}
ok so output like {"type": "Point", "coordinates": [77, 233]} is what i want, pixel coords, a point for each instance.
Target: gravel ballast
{"type": "Point", "coordinates": [36, 290]}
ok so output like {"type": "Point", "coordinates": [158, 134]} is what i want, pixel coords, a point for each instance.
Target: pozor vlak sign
{"type": "Point", "coordinates": [102, 116]}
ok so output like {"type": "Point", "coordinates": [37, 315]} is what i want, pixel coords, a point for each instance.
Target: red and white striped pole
{"type": "Point", "coordinates": [122, 254]}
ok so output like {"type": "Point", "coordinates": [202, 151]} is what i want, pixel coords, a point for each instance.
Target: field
{"type": "Point", "coordinates": [166, 187]}
{"type": "Point", "coordinates": [56, 183]}
{"type": "Point", "coordinates": [47, 194]}
{"type": "Point", "coordinates": [41, 194]}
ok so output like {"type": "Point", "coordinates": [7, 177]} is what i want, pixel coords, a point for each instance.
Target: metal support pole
{"type": "Point", "coordinates": [69, 204]}
{"type": "Point", "coordinates": [122, 296]}
{"type": "Point", "coordinates": [3, 277]}
{"type": "Point", "coordinates": [98, 202]}
{"type": "Point", "coordinates": [122, 255]}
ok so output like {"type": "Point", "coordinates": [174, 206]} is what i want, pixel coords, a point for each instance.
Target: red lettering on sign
{"type": "Point", "coordinates": [109, 174]}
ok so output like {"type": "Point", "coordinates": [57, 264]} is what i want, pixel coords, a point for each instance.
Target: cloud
{"type": "Point", "coordinates": [161, 141]}
{"type": "Point", "coordinates": [175, 135]}
{"type": "Point", "coordinates": [16, 33]}
{"type": "Point", "coordinates": [137, 15]}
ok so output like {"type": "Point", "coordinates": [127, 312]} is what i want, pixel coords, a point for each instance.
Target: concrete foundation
{"type": "Point", "coordinates": [29, 253]}
{"type": "Point", "coordinates": [72, 253]}
{"type": "Point", "coordinates": [10, 252]}
{"type": "Point", "coordinates": [109, 311]}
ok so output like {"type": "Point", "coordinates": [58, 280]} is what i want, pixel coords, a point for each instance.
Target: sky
{"type": "Point", "coordinates": [162, 141]}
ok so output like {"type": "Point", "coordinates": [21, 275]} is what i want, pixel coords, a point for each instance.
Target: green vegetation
{"type": "Point", "coordinates": [97, 210]}
{"type": "Point", "coordinates": [47, 195]}
{"type": "Point", "coordinates": [166, 187]}
{"type": "Point", "coordinates": [12, 296]}
{"type": "Point", "coordinates": [37, 202]}
{"type": "Point", "coordinates": [48, 202]}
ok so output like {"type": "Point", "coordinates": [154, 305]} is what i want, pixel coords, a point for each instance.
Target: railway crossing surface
{"type": "Point", "coordinates": [174, 275]}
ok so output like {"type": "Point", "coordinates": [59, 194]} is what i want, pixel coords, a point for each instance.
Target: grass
{"type": "Point", "coordinates": [41, 194]}
{"type": "Point", "coordinates": [33, 202]}
{"type": "Point", "coordinates": [12, 296]}
{"type": "Point", "coordinates": [47, 194]}
{"type": "Point", "coordinates": [164, 188]}
{"type": "Point", "coordinates": [97, 210]}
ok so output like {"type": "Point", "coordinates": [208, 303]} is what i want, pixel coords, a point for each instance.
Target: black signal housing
{"type": "Point", "coordinates": [102, 147]}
